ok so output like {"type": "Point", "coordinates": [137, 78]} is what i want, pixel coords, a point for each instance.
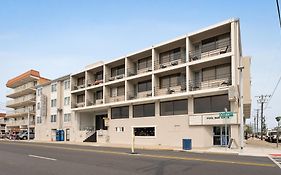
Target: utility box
{"type": "Point", "coordinates": [186, 144]}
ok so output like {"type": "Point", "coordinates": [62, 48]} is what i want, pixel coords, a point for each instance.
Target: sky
{"type": "Point", "coordinates": [58, 37]}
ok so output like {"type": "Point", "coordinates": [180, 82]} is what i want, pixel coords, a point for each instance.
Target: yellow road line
{"type": "Point", "coordinates": [149, 155]}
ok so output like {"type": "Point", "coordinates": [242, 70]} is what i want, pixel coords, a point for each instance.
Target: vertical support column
{"type": "Point", "coordinates": [234, 61]}
{"type": "Point", "coordinates": [86, 83]}
{"type": "Point", "coordinates": [126, 82]}
{"type": "Point", "coordinates": [153, 68]}
{"type": "Point", "coordinates": [187, 65]}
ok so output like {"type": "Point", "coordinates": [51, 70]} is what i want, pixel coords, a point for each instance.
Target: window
{"type": "Point", "coordinates": [144, 131]}
{"type": "Point", "coordinates": [145, 110]}
{"type": "Point", "coordinates": [39, 119]}
{"type": "Point", "coordinates": [99, 95]}
{"type": "Point", "coordinates": [120, 90]}
{"type": "Point", "coordinates": [81, 98]}
{"type": "Point", "coordinates": [216, 72]}
{"type": "Point", "coordinates": [170, 81]}
{"type": "Point", "coordinates": [66, 101]}
{"type": "Point", "coordinates": [38, 106]}
{"type": "Point", "coordinates": [54, 103]}
{"type": "Point", "coordinates": [39, 91]}
{"type": "Point", "coordinates": [53, 87]}
{"type": "Point", "coordinates": [177, 107]}
{"type": "Point", "coordinates": [99, 75]}
{"type": "Point", "coordinates": [120, 112]}
{"type": "Point", "coordinates": [53, 118]}
{"type": "Point", "coordinates": [67, 117]}
{"type": "Point", "coordinates": [211, 104]}
{"type": "Point", "coordinates": [144, 86]}
{"type": "Point", "coordinates": [170, 55]}
{"type": "Point", "coordinates": [119, 70]}
{"type": "Point", "coordinates": [66, 84]}
{"type": "Point", "coordinates": [80, 81]}
{"type": "Point", "coordinates": [144, 63]}
{"type": "Point", "coordinates": [119, 129]}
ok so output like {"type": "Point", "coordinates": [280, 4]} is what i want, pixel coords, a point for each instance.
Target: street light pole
{"type": "Point", "coordinates": [241, 101]}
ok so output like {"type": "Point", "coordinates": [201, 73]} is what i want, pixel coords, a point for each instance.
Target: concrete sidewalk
{"type": "Point", "coordinates": [253, 147]}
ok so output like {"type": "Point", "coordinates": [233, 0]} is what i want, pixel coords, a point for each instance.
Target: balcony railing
{"type": "Point", "coordinates": [211, 82]}
{"type": "Point", "coordinates": [113, 78]}
{"type": "Point", "coordinates": [171, 89]}
{"type": "Point", "coordinates": [115, 99]}
{"type": "Point", "coordinates": [171, 60]}
{"type": "Point", "coordinates": [137, 95]}
{"type": "Point", "coordinates": [23, 99]}
{"type": "Point", "coordinates": [94, 102]}
{"type": "Point", "coordinates": [20, 111]}
{"type": "Point", "coordinates": [94, 82]}
{"type": "Point", "coordinates": [21, 88]}
{"type": "Point", "coordinates": [19, 122]}
{"type": "Point", "coordinates": [78, 105]}
{"type": "Point", "coordinates": [134, 71]}
{"type": "Point", "coordinates": [211, 49]}
{"type": "Point", "coordinates": [77, 87]}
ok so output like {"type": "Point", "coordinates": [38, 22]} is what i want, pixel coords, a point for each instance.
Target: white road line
{"type": "Point", "coordinates": [273, 160]}
{"type": "Point", "coordinates": [41, 157]}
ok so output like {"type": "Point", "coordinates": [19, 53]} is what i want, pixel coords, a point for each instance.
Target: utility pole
{"type": "Point", "coordinates": [257, 122]}
{"type": "Point", "coordinates": [262, 99]}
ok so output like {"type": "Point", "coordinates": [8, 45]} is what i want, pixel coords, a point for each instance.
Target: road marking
{"type": "Point", "coordinates": [150, 155]}
{"type": "Point", "coordinates": [41, 157]}
{"type": "Point", "coordinates": [276, 160]}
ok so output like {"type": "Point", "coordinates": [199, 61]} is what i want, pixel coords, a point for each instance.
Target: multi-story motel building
{"type": "Point", "coordinates": [160, 95]}
{"type": "Point", "coordinates": [53, 110]}
{"type": "Point", "coordinates": [165, 93]}
{"type": "Point", "coordinates": [22, 103]}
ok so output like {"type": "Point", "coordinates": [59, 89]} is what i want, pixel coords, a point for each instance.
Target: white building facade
{"type": "Point", "coordinates": [160, 95]}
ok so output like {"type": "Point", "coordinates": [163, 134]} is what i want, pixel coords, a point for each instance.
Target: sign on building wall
{"type": "Point", "coordinates": [213, 119]}
{"type": "Point", "coordinates": [43, 102]}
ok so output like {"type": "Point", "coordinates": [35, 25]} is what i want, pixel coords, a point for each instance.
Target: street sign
{"type": "Point", "coordinates": [226, 114]}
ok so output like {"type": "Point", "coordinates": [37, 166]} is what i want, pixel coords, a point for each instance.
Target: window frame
{"type": "Point", "coordinates": [143, 110]}
{"type": "Point", "coordinates": [172, 106]}
{"type": "Point", "coordinates": [120, 112]}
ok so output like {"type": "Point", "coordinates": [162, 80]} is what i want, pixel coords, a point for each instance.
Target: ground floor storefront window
{"type": "Point", "coordinates": [219, 136]}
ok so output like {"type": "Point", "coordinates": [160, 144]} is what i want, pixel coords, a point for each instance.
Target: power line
{"type": "Point", "coordinates": [272, 93]}
{"type": "Point", "coordinates": [278, 10]}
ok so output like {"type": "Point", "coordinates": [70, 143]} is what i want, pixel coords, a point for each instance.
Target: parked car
{"type": "Point", "coordinates": [24, 135]}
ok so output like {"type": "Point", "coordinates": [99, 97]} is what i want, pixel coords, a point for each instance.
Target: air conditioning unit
{"type": "Point", "coordinates": [111, 79]}
{"type": "Point", "coordinates": [174, 63]}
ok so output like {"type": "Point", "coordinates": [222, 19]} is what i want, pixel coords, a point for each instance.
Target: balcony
{"type": "Point", "coordinates": [92, 83]}
{"type": "Point", "coordinates": [115, 98]}
{"type": "Point", "coordinates": [138, 95]}
{"type": "Point", "coordinates": [172, 89]}
{"type": "Point", "coordinates": [170, 60]}
{"type": "Point", "coordinates": [20, 112]}
{"type": "Point", "coordinates": [134, 71]}
{"type": "Point", "coordinates": [211, 49]}
{"type": "Point", "coordinates": [78, 105]}
{"type": "Point", "coordinates": [22, 101]}
{"type": "Point", "coordinates": [109, 78]}
{"type": "Point", "coordinates": [211, 82]}
{"type": "Point", "coordinates": [20, 122]}
{"type": "Point", "coordinates": [22, 90]}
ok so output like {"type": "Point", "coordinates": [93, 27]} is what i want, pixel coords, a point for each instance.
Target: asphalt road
{"type": "Point", "coordinates": [21, 158]}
